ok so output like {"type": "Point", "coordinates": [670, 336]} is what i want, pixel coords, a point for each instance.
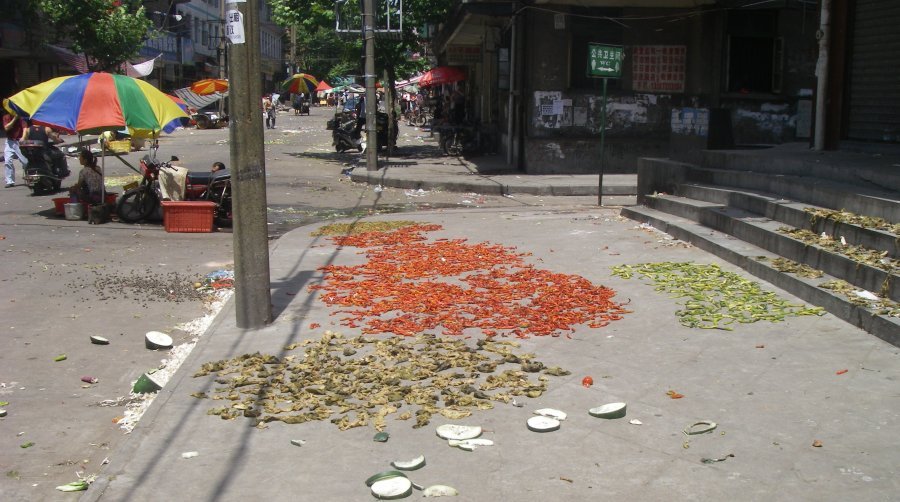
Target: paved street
{"type": "Point", "coordinates": [64, 281]}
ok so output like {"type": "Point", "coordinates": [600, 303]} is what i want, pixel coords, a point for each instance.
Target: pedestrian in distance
{"type": "Point", "coordinates": [14, 127]}
{"type": "Point", "coordinates": [269, 107]}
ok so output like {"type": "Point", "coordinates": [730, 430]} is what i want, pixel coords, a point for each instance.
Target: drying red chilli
{"type": "Point", "coordinates": [409, 285]}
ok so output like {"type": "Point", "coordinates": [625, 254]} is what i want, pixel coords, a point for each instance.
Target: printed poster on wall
{"type": "Point", "coordinates": [549, 109]}
{"type": "Point", "coordinates": [658, 68]}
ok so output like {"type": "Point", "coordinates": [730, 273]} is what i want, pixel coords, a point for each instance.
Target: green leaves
{"type": "Point", "coordinates": [108, 32]}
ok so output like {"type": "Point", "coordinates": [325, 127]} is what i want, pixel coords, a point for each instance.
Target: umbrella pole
{"type": "Point", "coordinates": [103, 172]}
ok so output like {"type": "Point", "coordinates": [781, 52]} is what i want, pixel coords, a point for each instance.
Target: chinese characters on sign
{"type": "Point", "coordinates": [658, 68]}
{"type": "Point", "coordinates": [234, 26]}
{"type": "Point", "coordinates": [604, 61]}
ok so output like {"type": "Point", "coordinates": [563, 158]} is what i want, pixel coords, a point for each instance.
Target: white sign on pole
{"type": "Point", "coordinates": [234, 26]}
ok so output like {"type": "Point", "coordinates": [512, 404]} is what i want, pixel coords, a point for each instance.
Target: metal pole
{"type": "Point", "coordinates": [248, 174]}
{"type": "Point", "coordinates": [602, 136]}
{"type": "Point", "coordinates": [824, 35]}
{"type": "Point", "coordinates": [371, 100]}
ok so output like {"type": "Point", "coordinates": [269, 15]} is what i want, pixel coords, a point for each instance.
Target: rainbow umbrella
{"type": "Point", "coordinates": [171, 126]}
{"type": "Point", "coordinates": [91, 103]}
{"type": "Point", "coordinates": [209, 86]}
{"type": "Point", "coordinates": [300, 82]}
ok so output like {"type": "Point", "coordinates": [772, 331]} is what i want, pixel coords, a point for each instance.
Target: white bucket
{"type": "Point", "coordinates": [74, 211]}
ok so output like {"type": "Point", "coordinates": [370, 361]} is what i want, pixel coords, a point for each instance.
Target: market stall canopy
{"type": "Point", "coordinates": [353, 88]}
{"type": "Point", "coordinates": [91, 103]}
{"type": "Point", "coordinates": [323, 86]}
{"type": "Point", "coordinates": [209, 86]}
{"type": "Point", "coordinates": [197, 101]}
{"type": "Point", "coordinates": [442, 75]}
{"type": "Point", "coordinates": [410, 82]}
{"type": "Point", "coordinates": [300, 83]}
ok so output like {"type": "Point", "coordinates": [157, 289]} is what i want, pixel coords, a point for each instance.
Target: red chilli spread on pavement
{"type": "Point", "coordinates": [410, 285]}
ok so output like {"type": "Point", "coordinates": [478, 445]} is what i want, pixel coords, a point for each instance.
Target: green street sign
{"type": "Point", "coordinates": [605, 60]}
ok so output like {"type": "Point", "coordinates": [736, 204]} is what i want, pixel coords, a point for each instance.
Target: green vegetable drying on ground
{"type": "Point", "coordinates": [715, 299]}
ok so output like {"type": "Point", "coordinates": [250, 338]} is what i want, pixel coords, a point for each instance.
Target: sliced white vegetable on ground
{"type": "Point", "coordinates": [409, 465]}
{"type": "Point", "coordinates": [469, 444]}
{"type": "Point", "coordinates": [440, 491]}
{"type": "Point", "coordinates": [392, 488]}
{"type": "Point", "coordinates": [542, 424]}
{"type": "Point", "coordinates": [550, 412]}
{"type": "Point", "coordinates": [99, 340]}
{"type": "Point", "coordinates": [157, 340]}
{"type": "Point", "coordinates": [384, 475]}
{"type": "Point", "coordinates": [454, 431]}
{"type": "Point", "coordinates": [609, 410]}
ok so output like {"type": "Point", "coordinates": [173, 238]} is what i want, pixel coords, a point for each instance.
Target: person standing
{"type": "Point", "coordinates": [267, 111]}
{"type": "Point", "coordinates": [13, 125]}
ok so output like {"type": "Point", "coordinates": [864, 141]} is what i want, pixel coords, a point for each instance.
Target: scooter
{"type": "Point", "coordinates": [42, 175]}
{"type": "Point", "coordinates": [344, 136]}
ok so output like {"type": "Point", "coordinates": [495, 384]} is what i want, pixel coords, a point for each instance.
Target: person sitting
{"type": "Point", "coordinates": [89, 187]}
{"type": "Point", "coordinates": [218, 169]}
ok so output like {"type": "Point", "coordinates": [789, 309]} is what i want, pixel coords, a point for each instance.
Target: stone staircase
{"type": "Point", "coordinates": [748, 209]}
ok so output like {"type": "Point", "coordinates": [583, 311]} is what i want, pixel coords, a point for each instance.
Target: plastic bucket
{"type": "Point", "coordinates": [73, 211]}
{"type": "Point", "coordinates": [59, 204]}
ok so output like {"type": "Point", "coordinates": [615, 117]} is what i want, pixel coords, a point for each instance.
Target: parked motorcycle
{"type": "Point", "coordinates": [344, 136]}
{"type": "Point", "coordinates": [42, 174]}
{"type": "Point", "coordinates": [139, 202]}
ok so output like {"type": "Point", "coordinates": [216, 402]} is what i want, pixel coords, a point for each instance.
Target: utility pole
{"type": "Point", "coordinates": [252, 288]}
{"type": "Point", "coordinates": [371, 101]}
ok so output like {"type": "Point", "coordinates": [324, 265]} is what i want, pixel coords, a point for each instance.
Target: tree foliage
{"type": "Point", "coordinates": [108, 32]}
{"type": "Point", "coordinates": [316, 36]}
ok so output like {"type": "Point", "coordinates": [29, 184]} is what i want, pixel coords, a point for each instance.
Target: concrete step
{"type": "Point", "coordinates": [821, 192]}
{"type": "Point", "coordinates": [748, 257]}
{"type": "Point", "coordinates": [792, 213]}
{"type": "Point", "coordinates": [763, 232]}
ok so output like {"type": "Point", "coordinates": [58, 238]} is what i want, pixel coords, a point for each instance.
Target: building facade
{"type": "Point", "coordinates": [692, 74]}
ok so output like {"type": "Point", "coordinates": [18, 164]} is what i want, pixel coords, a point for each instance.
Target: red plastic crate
{"type": "Point", "coordinates": [188, 216]}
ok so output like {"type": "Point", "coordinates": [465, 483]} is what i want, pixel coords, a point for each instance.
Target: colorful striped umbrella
{"type": "Point", "coordinates": [209, 86]}
{"type": "Point", "coordinates": [300, 82]}
{"type": "Point", "coordinates": [91, 103]}
{"type": "Point", "coordinates": [171, 126]}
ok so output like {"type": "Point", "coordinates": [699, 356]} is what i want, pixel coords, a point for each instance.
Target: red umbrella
{"type": "Point", "coordinates": [442, 75]}
{"type": "Point", "coordinates": [323, 86]}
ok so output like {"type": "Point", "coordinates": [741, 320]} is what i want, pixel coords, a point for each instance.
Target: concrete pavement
{"type": "Point", "coordinates": [772, 388]}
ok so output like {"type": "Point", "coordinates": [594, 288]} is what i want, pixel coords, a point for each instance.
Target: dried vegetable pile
{"type": "Point", "coordinates": [859, 254]}
{"type": "Point", "coordinates": [409, 285]}
{"type": "Point", "coordinates": [841, 216]}
{"type": "Point", "coordinates": [715, 299]}
{"type": "Point", "coordinates": [362, 380]}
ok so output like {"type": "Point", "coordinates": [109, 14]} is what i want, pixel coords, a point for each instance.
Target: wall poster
{"type": "Point", "coordinates": [658, 68]}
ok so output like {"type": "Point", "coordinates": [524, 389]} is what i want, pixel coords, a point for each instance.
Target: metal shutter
{"type": "Point", "coordinates": [875, 72]}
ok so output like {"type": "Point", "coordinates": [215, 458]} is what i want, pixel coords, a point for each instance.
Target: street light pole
{"type": "Point", "coordinates": [253, 300]}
